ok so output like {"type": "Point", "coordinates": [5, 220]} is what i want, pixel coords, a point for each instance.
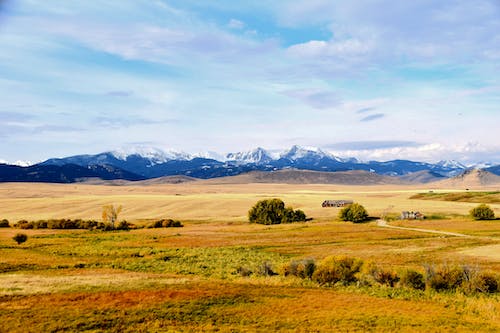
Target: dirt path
{"type": "Point", "coordinates": [382, 223]}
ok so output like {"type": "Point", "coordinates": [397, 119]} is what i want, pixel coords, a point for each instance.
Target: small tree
{"type": "Point", "coordinates": [354, 213]}
{"type": "Point", "coordinates": [273, 211]}
{"type": "Point", "coordinates": [482, 212]}
{"type": "Point", "coordinates": [20, 238]}
{"type": "Point", "coordinates": [4, 223]}
{"type": "Point", "coordinates": [110, 214]}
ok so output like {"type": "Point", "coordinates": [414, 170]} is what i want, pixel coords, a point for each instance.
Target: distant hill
{"type": "Point", "coordinates": [68, 173]}
{"type": "Point", "coordinates": [422, 177]}
{"type": "Point", "coordinates": [166, 180]}
{"type": "Point", "coordinates": [292, 176]}
{"type": "Point", "coordinates": [472, 178]}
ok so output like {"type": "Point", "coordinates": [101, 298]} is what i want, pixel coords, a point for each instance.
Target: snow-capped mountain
{"type": "Point", "coordinates": [155, 155]}
{"type": "Point", "coordinates": [451, 164]}
{"type": "Point", "coordinates": [256, 156]}
{"type": "Point", "coordinates": [148, 162]}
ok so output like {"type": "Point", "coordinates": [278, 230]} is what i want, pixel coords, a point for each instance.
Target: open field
{"type": "Point", "coordinates": [478, 197]}
{"type": "Point", "coordinates": [187, 279]}
{"type": "Point", "coordinates": [206, 201]}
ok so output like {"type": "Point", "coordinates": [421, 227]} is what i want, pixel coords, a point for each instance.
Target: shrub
{"type": "Point", "coordinates": [23, 224]}
{"type": "Point", "coordinates": [273, 211]}
{"type": "Point", "coordinates": [266, 269]}
{"type": "Point", "coordinates": [123, 225]}
{"type": "Point", "coordinates": [386, 277]}
{"type": "Point", "coordinates": [476, 281]}
{"type": "Point", "coordinates": [354, 212]}
{"type": "Point", "coordinates": [301, 268]}
{"type": "Point", "coordinates": [445, 277]}
{"type": "Point", "coordinates": [482, 212]}
{"type": "Point", "coordinates": [485, 282]}
{"type": "Point", "coordinates": [165, 223]}
{"type": "Point", "coordinates": [412, 279]}
{"type": "Point", "coordinates": [4, 223]}
{"type": "Point", "coordinates": [337, 269]}
{"type": "Point", "coordinates": [243, 271]}
{"type": "Point", "coordinates": [20, 238]}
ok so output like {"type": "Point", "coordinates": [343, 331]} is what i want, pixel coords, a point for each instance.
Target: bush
{"type": "Point", "coordinates": [266, 269]}
{"type": "Point", "coordinates": [485, 282]}
{"type": "Point", "coordinates": [273, 211]}
{"type": "Point", "coordinates": [354, 213]}
{"type": "Point", "coordinates": [20, 238]}
{"type": "Point", "coordinates": [445, 277]}
{"type": "Point", "coordinates": [123, 225]}
{"type": "Point", "coordinates": [482, 212]}
{"type": "Point", "coordinates": [385, 277]}
{"type": "Point", "coordinates": [165, 223]}
{"type": "Point", "coordinates": [412, 279]}
{"type": "Point", "coordinates": [301, 268]}
{"type": "Point", "coordinates": [476, 281]}
{"type": "Point", "coordinates": [4, 223]}
{"type": "Point", "coordinates": [337, 269]}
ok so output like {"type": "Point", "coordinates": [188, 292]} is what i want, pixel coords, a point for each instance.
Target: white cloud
{"type": "Point", "coordinates": [340, 49]}
{"type": "Point", "coordinates": [467, 153]}
{"type": "Point", "coordinates": [236, 24]}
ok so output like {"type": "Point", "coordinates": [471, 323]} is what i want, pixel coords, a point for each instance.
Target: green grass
{"type": "Point", "coordinates": [477, 197]}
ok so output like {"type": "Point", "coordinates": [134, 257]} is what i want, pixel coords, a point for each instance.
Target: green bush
{"type": "Point", "coordinates": [301, 268]}
{"type": "Point", "coordinates": [273, 211]}
{"type": "Point", "coordinates": [4, 223]}
{"type": "Point", "coordinates": [412, 279]}
{"type": "Point", "coordinates": [337, 269]}
{"type": "Point", "coordinates": [20, 238]}
{"type": "Point", "coordinates": [482, 212]}
{"type": "Point", "coordinates": [354, 213]}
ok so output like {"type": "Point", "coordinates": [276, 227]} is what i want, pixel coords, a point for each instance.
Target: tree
{"type": "Point", "coordinates": [110, 214]}
{"type": "Point", "coordinates": [482, 212]}
{"type": "Point", "coordinates": [273, 211]}
{"type": "Point", "coordinates": [354, 213]}
{"type": "Point", "coordinates": [20, 238]}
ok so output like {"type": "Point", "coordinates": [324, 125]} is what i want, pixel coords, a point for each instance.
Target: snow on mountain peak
{"type": "Point", "coordinates": [257, 156]}
{"type": "Point", "coordinates": [18, 163]}
{"type": "Point", "coordinates": [451, 164]}
{"type": "Point", "coordinates": [155, 155]}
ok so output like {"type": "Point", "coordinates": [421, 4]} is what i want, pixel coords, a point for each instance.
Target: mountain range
{"type": "Point", "coordinates": [140, 164]}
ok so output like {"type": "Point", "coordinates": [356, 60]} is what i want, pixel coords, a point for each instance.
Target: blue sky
{"type": "Point", "coordinates": [373, 79]}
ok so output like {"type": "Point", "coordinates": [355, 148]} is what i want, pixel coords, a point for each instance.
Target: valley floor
{"type": "Point", "coordinates": [189, 279]}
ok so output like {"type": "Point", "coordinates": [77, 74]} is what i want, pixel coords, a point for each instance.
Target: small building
{"type": "Point", "coordinates": [406, 215]}
{"type": "Point", "coordinates": [336, 203]}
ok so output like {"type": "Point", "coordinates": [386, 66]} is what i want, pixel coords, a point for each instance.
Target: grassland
{"type": "Point", "coordinates": [478, 197]}
{"type": "Point", "coordinates": [187, 279]}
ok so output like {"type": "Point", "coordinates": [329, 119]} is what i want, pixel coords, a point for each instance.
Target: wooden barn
{"type": "Point", "coordinates": [336, 203]}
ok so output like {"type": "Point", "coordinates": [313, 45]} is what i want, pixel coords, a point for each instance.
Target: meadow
{"type": "Point", "coordinates": [191, 278]}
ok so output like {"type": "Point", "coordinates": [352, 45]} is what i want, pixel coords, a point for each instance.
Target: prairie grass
{"type": "Point", "coordinates": [477, 197]}
{"type": "Point", "coordinates": [190, 278]}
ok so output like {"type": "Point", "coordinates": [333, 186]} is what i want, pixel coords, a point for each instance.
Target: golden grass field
{"type": "Point", "coordinates": [185, 279]}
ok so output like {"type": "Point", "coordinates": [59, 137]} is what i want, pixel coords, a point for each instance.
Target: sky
{"type": "Point", "coordinates": [372, 79]}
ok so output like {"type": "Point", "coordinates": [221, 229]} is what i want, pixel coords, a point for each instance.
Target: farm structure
{"type": "Point", "coordinates": [412, 216]}
{"type": "Point", "coordinates": [336, 203]}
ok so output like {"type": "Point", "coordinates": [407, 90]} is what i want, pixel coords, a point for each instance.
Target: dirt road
{"type": "Point", "coordinates": [382, 223]}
